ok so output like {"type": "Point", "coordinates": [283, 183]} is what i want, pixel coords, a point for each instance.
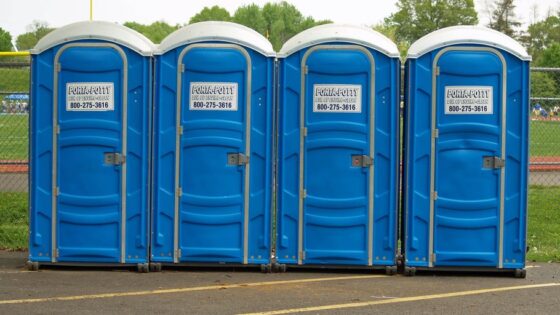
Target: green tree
{"type": "Point", "coordinates": [541, 35]}
{"type": "Point", "coordinates": [543, 85]}
{"type": "Point", "coordinates": [156, 31]}
{"type": "Point", "coordinates": [214, 13]}
{"type": "Point", "coordinates": [503, 17]}
{"type": "Point", "coordinates": [550, 57]}
{"type": "Point", "coordinates": [284, 21]}
{"type": "Point", "coordinates": [35, 31]}
{"type": "Point", "coordinates": [416, 18]}
{"type": "Point", "coordinates": [251, 16]}
{"type": "Point", "coordinates": [5, 40]}
{"type": "Point", "coordinates": [391, 33]}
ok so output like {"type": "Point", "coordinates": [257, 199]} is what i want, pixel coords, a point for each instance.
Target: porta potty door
{"type": "Point", "coordinates": [212, 149]}
{"type": "Point", "coordinates": [336, 187]}
{"type": "Point", "coordinates": [88, 139]}
{"type": "Point", "coordinates": [468, 147]}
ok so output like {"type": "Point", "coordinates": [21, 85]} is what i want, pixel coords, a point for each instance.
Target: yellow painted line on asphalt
{"type": "Point", "coordinates": [182, 290]}
{"type": "Point", "coordinates": [402, 300]}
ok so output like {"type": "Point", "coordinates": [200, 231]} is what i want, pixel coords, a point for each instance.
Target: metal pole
{"type": "Point", "coordinates": [91, 10]}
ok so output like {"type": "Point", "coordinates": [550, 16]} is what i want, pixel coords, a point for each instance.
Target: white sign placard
{"type": "Point", "coordinates": [337, 98]}
{"type": "Point", "coordinates": [213, 96]}
{"type": "Point", "coordinates": [476, 100]}
{"type": "Point", "coordinates": [90, 96]}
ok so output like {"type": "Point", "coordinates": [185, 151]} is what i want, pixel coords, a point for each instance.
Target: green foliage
{"type": "Point", "coordinates": [503, 18]}
{"type": "Point", "coordinates": [36, 31]}
{"type": "Point", "coordinates": [276, 21]}
{"type": "Point", "coordinates": [251, 16]}
{"type": "Point", "coordinates": [550, 57]}
{"type": "Point", "coordinates": [14, 79]}
{"type": "Point", "coordinates": [214, 13]}
{"type": "Point", "coordinates": [156, 31]}
{"type": "Point", "coordinates": [5, 40]}
{"type": "Point", "coordinates": [416, 18]}
{"type": "Point", "coordinates": [541, 35]}
{"type": "Point", "coordinates": [543, 85]}
{"type": "Point", "coordinates": [391, 33]}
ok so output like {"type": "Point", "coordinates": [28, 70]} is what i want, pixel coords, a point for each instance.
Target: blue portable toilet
{"type": "Point", "coordinates": [338, 149]}
{"type": "Point", "coordinates": [213, 147]}
{"type": "Point", "coordinates": [465, 151]}
{"type": "Point", "coordinates": [89, 146]}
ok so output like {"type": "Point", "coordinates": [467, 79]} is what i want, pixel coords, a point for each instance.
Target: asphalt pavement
{"type": "Point", "coordinates": [242, 291]}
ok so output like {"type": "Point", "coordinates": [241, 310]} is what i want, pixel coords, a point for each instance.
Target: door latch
{"type": "Point", "coordinates": [113, 158]}
{"type": "Point", "coordinates": [493, 162]}
{"type": "Point", "coordinates": [237, 159]}
{"type": "Point", "coordinates": [361, 161]}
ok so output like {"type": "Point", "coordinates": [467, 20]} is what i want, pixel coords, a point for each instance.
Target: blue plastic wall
{"type": "Point", "coordinates": [211, 206]}
{"type": "Point", "coordinates": [89, 204]}
{"type": "Point", "coordinates": [335, 227]}
{"type": "Point", "coordinates": [466, 215]}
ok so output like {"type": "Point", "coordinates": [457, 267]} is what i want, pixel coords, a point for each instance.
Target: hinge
{"type": "Point", "coordinates": [435, 195]}
{"type": "Point", "coordinates": [180, 130]}
{"type": "Point", "coordinates": [57, 253]}
{"type": "Point", "coordinates": [302, 255]}
{"type": "Point", "coordinates": [57, 129]}
{"type": "Point", "coordinates": [182, 67]}
{"type": "Point", "coordinates": [305, 70]}
{"type": "Point", "coordinates": [437, 70]}
{"type": "Point", "coordinates": [435, 133]}
{"type": "Point", "coordinates": [58, 67]}
{"type": "Point", "coordinates": [57, 191]}
{"type": "Point", "coordinates": [178, 253]}
{"type": "Point", "coordinates": [304, 131]}
{"type": "Point", "coordinates": [303, 193]}
{"type": "Point", "coordinates": [179, 191]}
{"type": "Point", "coordinates": [433, 257]}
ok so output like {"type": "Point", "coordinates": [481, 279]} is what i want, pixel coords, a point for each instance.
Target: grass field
{"type": "Point", "coordinates": [543, 237]}
{"type": "Point", "coordinates": [545, 138]}
{"type": "Point", "coordinates": [13, 137]}
{"type": "Point", "coordinates": [13, 220]}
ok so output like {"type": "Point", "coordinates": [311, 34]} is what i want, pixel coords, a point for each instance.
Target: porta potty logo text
{"type": "Point", "coordinates": [468, 100]}
{"type": "Point", "coordinates": [337, 98]}
{"type": "Point", "coordinates": [90, 96]}
{"type": "Point", "coordinates": [213, 96]}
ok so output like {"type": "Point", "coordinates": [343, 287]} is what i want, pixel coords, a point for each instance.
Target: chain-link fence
{"type": "Point", "coordinates": [544, 189]}
{"type": "Point", "coordinates": [14, 114]}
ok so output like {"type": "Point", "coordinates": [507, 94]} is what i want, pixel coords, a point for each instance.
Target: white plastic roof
{"type": "Point", "coordinates": [217, 31]}
{"type": "Point", "coordinates": [96, 30]}
{"type": "Point", "coordinates": [466, 34]}
{"type": "Point", "coordinates": [340, 33]}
